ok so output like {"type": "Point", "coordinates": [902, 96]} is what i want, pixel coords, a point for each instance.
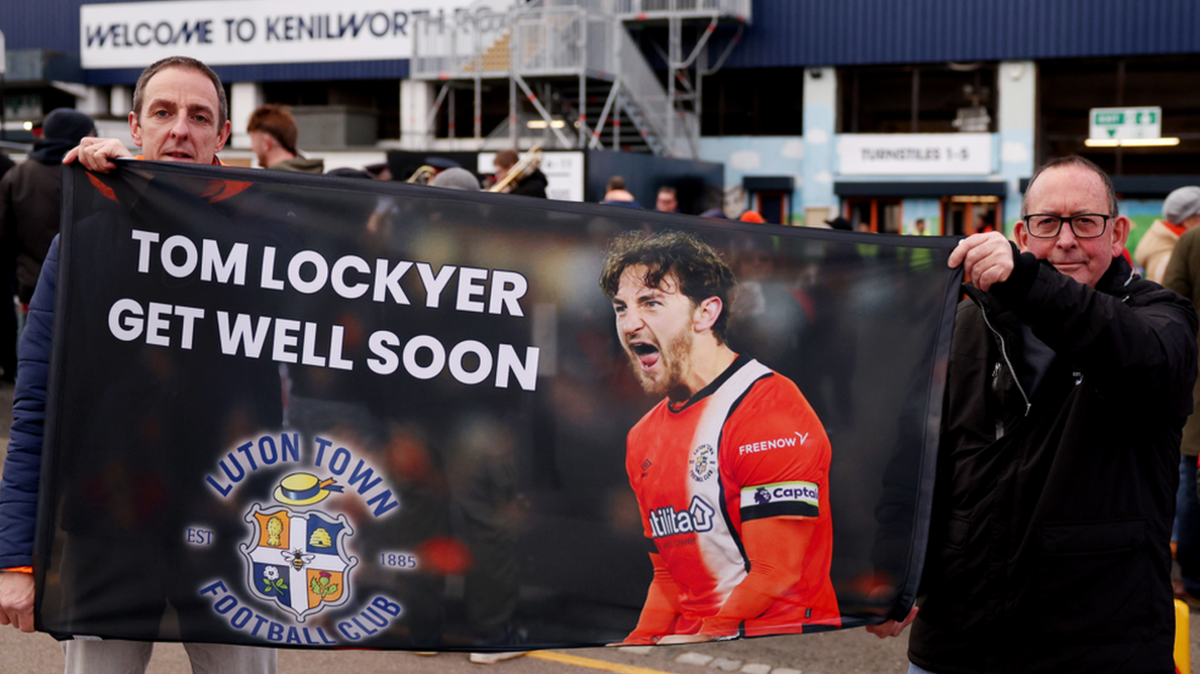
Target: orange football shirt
{"type": "Point", "coordinates": [747, 446]}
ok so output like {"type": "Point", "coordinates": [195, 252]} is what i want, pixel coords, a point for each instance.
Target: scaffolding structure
{"type": "Point", "coordinates": [553, 52]}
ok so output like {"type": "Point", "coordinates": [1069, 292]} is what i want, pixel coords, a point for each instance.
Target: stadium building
{"type": "Point", "coordinates": [882, 112]}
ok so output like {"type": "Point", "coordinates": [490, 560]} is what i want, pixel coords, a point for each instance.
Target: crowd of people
{"type": "Point", "coordinates": [1063, 436]}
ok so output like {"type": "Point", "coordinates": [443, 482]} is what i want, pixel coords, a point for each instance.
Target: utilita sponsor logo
{"type": "Point", "coordinates": [667, 521]}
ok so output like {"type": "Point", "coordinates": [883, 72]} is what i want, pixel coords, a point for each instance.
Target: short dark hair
{"type": "Point", "coordinates": [615, 183]}
{"type": "Point", "coordinates": [506, 158]}
{"type": "Point", "coordinates": [276, 121]}
{"type": "Point", "coordinates": [139, 91]}
{"type": "Point", "coordinates": [1073, 160]}
{"type": "Point", "coordinates": [697, 266]}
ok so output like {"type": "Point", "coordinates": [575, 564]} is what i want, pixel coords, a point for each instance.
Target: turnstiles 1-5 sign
{"type": "Point", "coordinates": [1123, 123]}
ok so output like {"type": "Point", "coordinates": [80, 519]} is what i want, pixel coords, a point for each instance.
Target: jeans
{"type": "Point", "coordinates": [1187, 526]}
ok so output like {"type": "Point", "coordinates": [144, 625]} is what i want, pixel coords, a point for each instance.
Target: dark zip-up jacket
{"type": "Point", "coordinates": [1057, 470]}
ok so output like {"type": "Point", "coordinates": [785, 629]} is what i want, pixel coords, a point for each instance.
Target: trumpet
{"type": "Point", "coordinates": [527, 164]}
{"type": "Point", "coordinates": [422, 175]}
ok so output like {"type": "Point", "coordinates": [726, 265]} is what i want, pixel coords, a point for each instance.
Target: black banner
{"type": "Point", "coordinates": [319, 412]}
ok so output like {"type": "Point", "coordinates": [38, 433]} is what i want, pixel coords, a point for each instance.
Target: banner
{"type": "Point", "coordinates": [220, 32]}
{"type": "Point", "coordinates": [320, 412]}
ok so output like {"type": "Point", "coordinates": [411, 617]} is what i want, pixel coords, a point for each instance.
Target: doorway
{"type": "Point", "coordinates": [964, 215]}
{"type": "Point", "coordinates": [870, 214]}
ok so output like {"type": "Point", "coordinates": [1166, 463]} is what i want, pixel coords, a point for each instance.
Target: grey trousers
{"type": "Point", "coordinates": [132, 657]}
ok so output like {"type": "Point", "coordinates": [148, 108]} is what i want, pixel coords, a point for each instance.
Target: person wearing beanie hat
{"type": "Point", "coordinates": [456, 178]}
{"type": "Point", "coordinates": [30, 197]}
{"type": "Point", "coordinates": [1181, 211]}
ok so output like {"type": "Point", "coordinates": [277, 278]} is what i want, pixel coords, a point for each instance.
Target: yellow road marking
{"type": "Point", "coordinates": [591, 663]}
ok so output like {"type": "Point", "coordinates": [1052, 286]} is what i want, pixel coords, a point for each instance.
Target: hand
{"type": "Point", "coordinates": [684, 639]}
{"type": "Point", "coordinates": [891, 628]}
{"type": "Point", "coordinates": [95, 154]}
{"type": "Point", "coordinates": [986, 258]}
{"type": "Point", "coordinates": [16, 600]}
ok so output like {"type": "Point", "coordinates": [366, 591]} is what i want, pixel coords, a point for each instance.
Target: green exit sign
{"type": "Point", "coordinates": [1123, 123]}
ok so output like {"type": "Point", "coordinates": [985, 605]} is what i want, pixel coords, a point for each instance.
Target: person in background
{"type": "Point", "coordinates": [532, 185]}
{"type": "Point", "coordinates": [615, 194]}
{"type": "Point", "coordinates": [31, 206]}
{"type": "Point", "coordinates": [1182, 274]}
{"type": "Point", "coordinates": [273, 136]}
{"type": "Point", "coordinates": [667, 200]}
{"type": "Point", "coordinates": [1181, 212]}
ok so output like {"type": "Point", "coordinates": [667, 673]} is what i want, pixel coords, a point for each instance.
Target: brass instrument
{"type": "Point", "coordinates": [422, 175]}
{"type": "Point", "coordinates": [526, 165]}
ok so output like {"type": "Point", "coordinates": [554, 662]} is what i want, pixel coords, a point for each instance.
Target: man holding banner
{"type": "Point", "coordinates": [731, 469]}
{"type": "Point", "coordinates": [180, 114]}
{"type": "Point", "coordinates": [1069, 381]}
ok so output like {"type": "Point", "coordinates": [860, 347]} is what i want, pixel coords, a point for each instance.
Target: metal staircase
{"type": "Point", "coordinates": [575, 63]}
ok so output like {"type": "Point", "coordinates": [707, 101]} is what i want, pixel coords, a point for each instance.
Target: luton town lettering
{"type": "Point", "coordinates": [266, 452]}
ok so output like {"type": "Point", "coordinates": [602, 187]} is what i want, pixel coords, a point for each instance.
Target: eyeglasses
{"type": "Point", "coordinates": [1085, 226]}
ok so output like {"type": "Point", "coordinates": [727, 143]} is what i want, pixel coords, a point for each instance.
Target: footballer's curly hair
{"type": "Point", "coordinates": [699, 268]}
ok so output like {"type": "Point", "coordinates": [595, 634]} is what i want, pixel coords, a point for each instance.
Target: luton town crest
{"type": "Point", "coordinates": [298, 559]}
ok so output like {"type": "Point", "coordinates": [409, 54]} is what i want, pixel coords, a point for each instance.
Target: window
{"type": "Point", "coordinates": [917, 99]}
{"type": "Point", "coordinates": [753, 102]}
{"type": "Point", "coordinates": [1067, 89]}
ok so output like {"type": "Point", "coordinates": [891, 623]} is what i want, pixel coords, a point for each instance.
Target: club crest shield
{"type": "Point", "coordinates": [298, 560]}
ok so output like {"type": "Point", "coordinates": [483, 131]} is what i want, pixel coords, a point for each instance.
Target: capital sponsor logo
{"type": "Point", "coordinates": [781, 492]}
{"type": "Point", "coordinates": [703, 463]}
{"type": "Point", "coordinates": [297, 553]}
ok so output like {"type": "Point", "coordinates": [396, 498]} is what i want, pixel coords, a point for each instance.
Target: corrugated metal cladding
{"type": "Point", "coordinates": [862, 32]}
{"type": "Point", "coordinates": [793, 33]}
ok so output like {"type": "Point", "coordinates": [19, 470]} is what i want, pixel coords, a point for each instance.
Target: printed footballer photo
{"type": "Point", "coordinates": [730, 468]}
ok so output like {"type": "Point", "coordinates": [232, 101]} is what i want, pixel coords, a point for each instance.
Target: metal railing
{"type": "Point", "coordinates": [555, 38]}
{"type": "Point", "coordinates": [644, 91]}
{"type": "Point", "coordinates": [455, 46]}
{"type": "Point", "coordinates": [651, 9]}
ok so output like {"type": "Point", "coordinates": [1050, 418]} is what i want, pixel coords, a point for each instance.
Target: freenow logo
{"type": "Point", "coordinates": [670, 522]}
{"type": "Point", "coordinates": [782, 492]}
{"type": "Point", "coordinates": [766, 445]}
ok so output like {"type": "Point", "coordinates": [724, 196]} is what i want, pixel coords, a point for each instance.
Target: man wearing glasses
{"type": "Point", "coordinates": [1069, 381]}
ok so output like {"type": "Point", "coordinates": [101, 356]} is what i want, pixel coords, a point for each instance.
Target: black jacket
{"type": "Point", "coordinates": [30, 203]}
{"type": "Point", "coordinates": [533, 185]}
{"type": "Point", "coordinates": [1057, 470]}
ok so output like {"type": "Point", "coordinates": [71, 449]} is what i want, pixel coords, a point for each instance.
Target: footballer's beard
{"type": "Point", "coordinates": [674, 363]}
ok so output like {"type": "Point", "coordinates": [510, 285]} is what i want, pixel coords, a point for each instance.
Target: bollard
{"type": "Point", "coordinates": [1183, 649]}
